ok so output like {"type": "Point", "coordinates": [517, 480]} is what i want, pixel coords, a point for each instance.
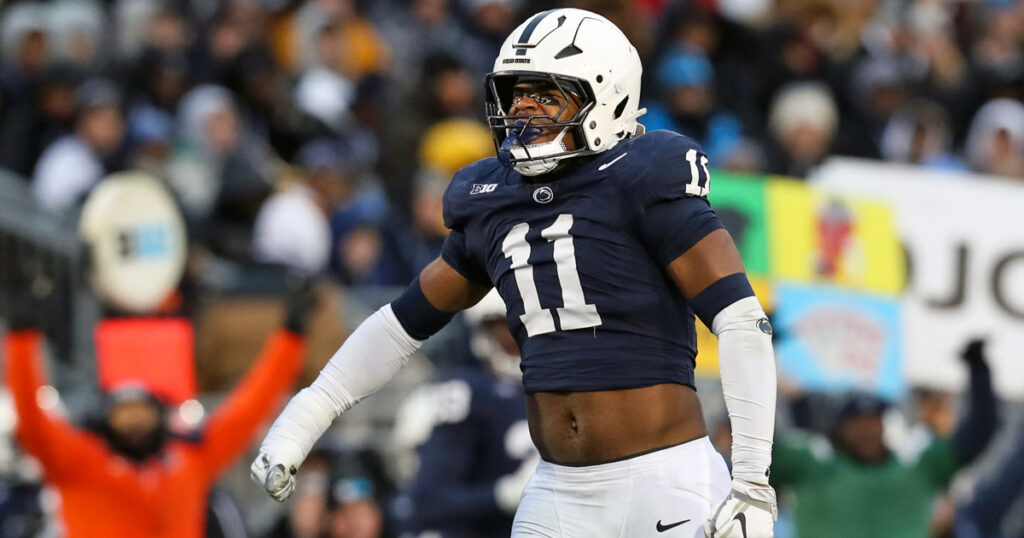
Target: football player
{"type": "Point", "coordinates": [602, 243]}
{"type": "Point", "coordinates": [474, 447]}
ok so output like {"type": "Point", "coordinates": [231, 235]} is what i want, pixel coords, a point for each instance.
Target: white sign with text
{"type": "Point", "coordinates": [964, 236]}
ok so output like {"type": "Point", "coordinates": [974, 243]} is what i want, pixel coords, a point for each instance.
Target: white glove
{"type": "Point", "coordinates": [275, 467]}
{"type": "Point", "coordinates": [749, 511]}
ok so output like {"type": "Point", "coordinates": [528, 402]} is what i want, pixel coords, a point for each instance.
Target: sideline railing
{"type": "Point", "coordinates": [42, 254]}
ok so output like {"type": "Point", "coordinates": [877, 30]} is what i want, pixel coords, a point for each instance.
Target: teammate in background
{"type": "Point", "coordinates": [984, 515]}
{"type": "Point", "coordinates": [600, 240]}
{"type": "Point", "coordinates": [854, 486]}
{"type": "Point", "coordinates": [136, 479]}
{"type": "Point", "coordinates": [476, 454]}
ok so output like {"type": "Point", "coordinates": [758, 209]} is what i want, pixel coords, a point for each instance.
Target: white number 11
{"type": "Point", "coordinates": [575, 313]}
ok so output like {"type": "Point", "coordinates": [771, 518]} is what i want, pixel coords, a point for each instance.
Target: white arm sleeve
{"type": "Point", "coordinates": [368, 359]}
{"type": "Point", "coordinates": [747, 364]}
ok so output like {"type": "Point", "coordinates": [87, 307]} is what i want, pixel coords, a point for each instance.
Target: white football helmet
{"type": "Point", "coordinates": [484, 344]}
{"type": "Point", "coordinates": [579, 53]}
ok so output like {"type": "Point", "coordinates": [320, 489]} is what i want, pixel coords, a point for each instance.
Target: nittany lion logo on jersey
{"type": "Point", "coordinates": [543, 195]}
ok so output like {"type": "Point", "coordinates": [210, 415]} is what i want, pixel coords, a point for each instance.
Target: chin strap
{"type": "Point", "coordinates": [514, 148]}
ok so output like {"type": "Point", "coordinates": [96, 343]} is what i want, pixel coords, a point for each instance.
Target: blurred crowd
{"type": "Point", "coordinates": [321, 134]}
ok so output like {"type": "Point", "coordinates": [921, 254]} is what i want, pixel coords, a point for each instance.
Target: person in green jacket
{"type": "Point", "coordinates": [852, 485]}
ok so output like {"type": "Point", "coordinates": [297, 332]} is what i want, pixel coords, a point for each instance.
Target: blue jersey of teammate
{"type": "Point", "coordinates": [478, 435]}
{"type": "Point", "coordinates": [580, 261]}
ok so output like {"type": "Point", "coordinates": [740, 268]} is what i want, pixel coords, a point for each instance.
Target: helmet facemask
{"type": "Point", "coordinates": [514, 135]}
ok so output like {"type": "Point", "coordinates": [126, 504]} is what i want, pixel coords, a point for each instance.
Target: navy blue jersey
{"type": "Point", "coordinates": [478, 434]}
{"type": "Point", "coordinates": [581, 261]}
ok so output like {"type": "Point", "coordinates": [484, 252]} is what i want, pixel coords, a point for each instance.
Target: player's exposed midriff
{"type": "Point", "coordinates": [587, 428]}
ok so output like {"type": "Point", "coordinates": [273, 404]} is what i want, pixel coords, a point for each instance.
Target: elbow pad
{"type": "Point", "coordinates": [747, 364]}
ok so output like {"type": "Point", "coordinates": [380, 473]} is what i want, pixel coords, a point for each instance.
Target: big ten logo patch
{"type": "Point", "coordinates": [483, 188]}
{"type": "Point", "coordinates": [145, 242]}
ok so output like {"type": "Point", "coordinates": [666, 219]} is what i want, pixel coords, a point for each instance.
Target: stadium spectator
{"type": "Point", "coordinates": [420, 241]}
{"type": "Point", "coordinates": [148, 25]}
{"type": "Point", "coordinates": [293, 227]}
{"type": "Point", "coordinates": [785, 55]}
{"type": "Point", "coordinates": [26, 46]}
{"type": "Point", "coordinates": [996, 50]}
{"type": "Point", "coordinates": [803, 122]}
{"type": "Point", "coordinates": [27, 128]}
{"type": "Point", "coordinates": [78, 29]}
{"type": "Point", "coordinates": [326, 88]}
{"type": "Point", "coordinates": [364, 254]}
{"type": "Point", "coordinates": [374, 248]}
{"type": "Point", "coordinates": [150, 139]}
{"type": "Point", "coordinates": [831, 27]}
{"type": "Point", "coordinates": [415, 32]}
{"type": "Point", "coordinates": [161, 79]}
{"type": "Point", "coordinates": [208, 134]}
{"type": "Point", "coordinates": [920, 133]}
{"type": "Point", "coordinates": [940, 68]}
{"type": "Point", "coordinates": [26, 43]}
{"type": "Point", "coordinates": [995, 141]}
{"type": "Point", "coordinates": [135, 478]}
{"type": "Point", "coordinates": [337, 31]}
{"type": "Point", "coordinates": [222, 172]}
{"type": "Point", "coordinates": [362, 136]}
{"type": "Point", "coordinates": [70, 167]}
{"type": "Point", "coordinates": [233, 38]}
{"type": "Point", "coordinates": [687, 105]}
{"type": "Point", "coordinates": [877, 89]}
{"type": "Point", "coordinates": [488, 22]}
{"type": "Point", "coordinates": [446, 89]}
{"type": "Point", "coordinates": [354, 498]}
{"type": "Point", "coordinates": [833, 484]}
{"type": "Point", "coordinates": [412, 242]}
{"type": "Point", "coordinates": [688, 27]}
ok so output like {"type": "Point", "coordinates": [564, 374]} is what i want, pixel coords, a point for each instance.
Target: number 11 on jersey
{"type": "Point", "coordinates": [575, 313]}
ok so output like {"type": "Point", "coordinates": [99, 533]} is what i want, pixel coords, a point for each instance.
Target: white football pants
{"type": "Point", "coordinates": [667, 493]}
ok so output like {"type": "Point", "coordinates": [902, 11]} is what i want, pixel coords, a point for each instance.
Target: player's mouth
{"type": "Point", "coordinates": [525, 131]}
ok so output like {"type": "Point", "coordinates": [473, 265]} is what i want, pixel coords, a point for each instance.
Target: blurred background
{"type": "Point", "coordinates": [183, 163]}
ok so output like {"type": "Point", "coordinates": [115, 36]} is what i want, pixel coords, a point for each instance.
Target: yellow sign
{"type": "Point", "coordinates": [844, 241]}
{"type": "Point", "coordinates": [814, 238]}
